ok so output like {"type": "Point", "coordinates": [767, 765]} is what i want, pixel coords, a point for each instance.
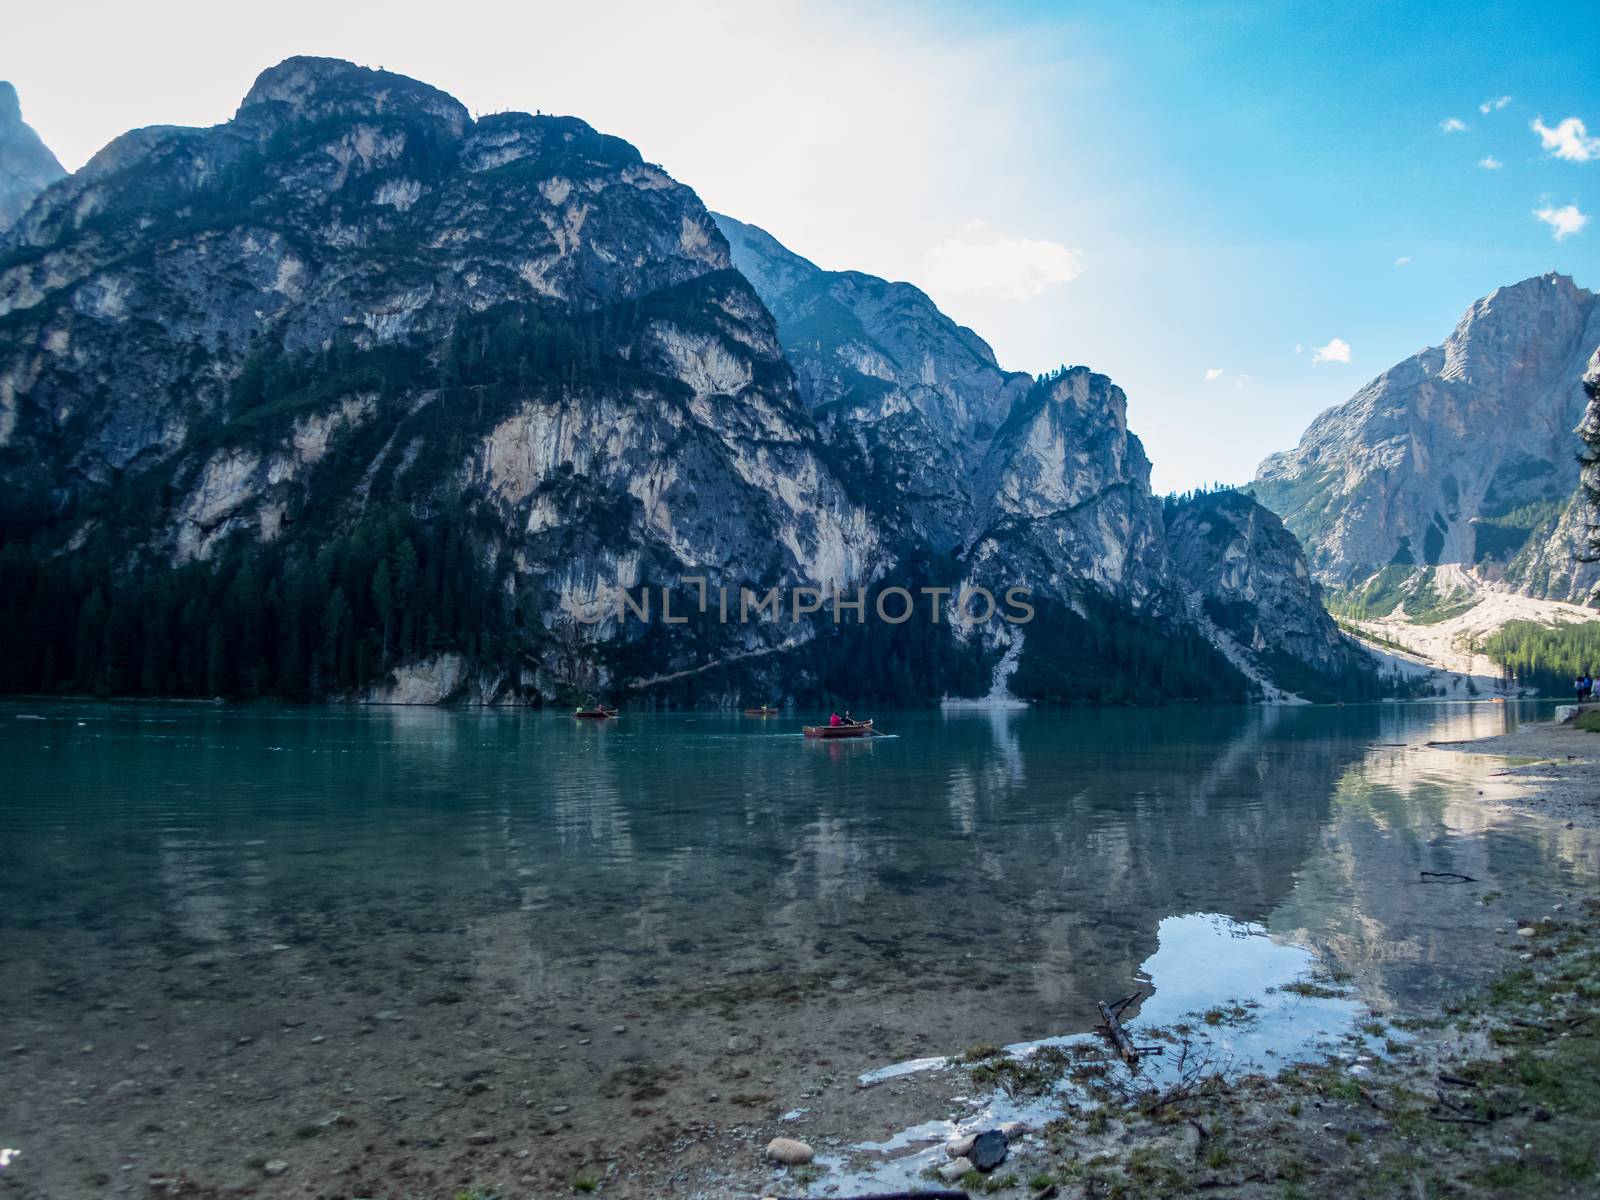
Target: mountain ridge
{"type": "Point", "coordinates": [354, 395]}
{"type": "Point", "coordinates": [1461, 455]}
{"type": "Point", "coordinates": [27, 165]}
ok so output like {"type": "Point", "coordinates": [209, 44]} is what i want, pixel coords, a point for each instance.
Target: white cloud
{"type": "Point", "coordinates": [1490, 163]}
{"type": "Point", "coordinates": [1489, 106]}
{"type": "Point", "coordinates": [985, 262]}
{"type": "Point", "coordinates": [1337, 350]}
{"type": "Point", "coordinates": [1569, 139]}
{"type": "Point", "coordinates": [1564, 221]}
{"type": "Point", "coordinates": [1213, 373]}
{"type": "Point", "coordinates": [1452, 125]}
{"type": "Point", "coordinates": [1299, 349]}
{"type": "Point", "coordinates": [1399, 262]}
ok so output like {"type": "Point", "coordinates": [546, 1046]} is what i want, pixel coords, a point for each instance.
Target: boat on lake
{"type": "Point", "coordinates": [853, 730]}
{"type": "Point", "coordinates": [761, 712]}
{"type": "Point", "coordinates": [601, 713]}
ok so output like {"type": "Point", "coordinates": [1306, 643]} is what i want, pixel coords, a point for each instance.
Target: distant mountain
{"type": "Point", "coordinates": [356, 396]}
{"type": "Point", "coordinates": [26, 165]}
{"type": "Point", "coordinates": [1457, 467]}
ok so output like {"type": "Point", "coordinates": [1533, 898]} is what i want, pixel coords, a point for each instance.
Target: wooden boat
{"type": "Point", "coordinates": [761, 712]}
{"type": "Point", "coordinates": [596, 714]}
{"type": "Point", "coordinates": [859, 729]}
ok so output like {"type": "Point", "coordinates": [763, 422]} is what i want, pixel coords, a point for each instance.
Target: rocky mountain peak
{"type": "Point", "coordinates": [27, 166]}
{"type": "Point", "coordinates": [313, 89]}
{"type": "Point", "coordinates": [1461, 457]}
{"type": "Point", "coordinates": [1514, 326]}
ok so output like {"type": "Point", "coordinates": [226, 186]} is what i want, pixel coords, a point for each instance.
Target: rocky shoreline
{"type": "Point", "coordinates": [1496, 1093]}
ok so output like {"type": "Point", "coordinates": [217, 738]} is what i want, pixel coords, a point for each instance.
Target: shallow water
{"type": "Point", "coordinates": [464, 909]}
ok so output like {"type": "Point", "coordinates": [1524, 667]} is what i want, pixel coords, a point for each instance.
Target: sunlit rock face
{"type": "Point", "coordinates": [1462, 456]}
{"type": "Point", "coordinates": [27, 166]}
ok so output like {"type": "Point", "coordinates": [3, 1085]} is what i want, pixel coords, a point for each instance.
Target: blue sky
{"type": "Point", "coordinates": [1161, 195]}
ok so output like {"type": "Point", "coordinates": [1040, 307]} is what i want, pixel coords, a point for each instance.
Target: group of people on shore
{"type": "Point", "coordinates": [1584, 686]}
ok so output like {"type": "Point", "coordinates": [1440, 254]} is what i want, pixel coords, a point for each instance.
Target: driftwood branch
{"type": "Point", "coordinates": [1447, 877]}
{"type": "Point", "coordinates": [1118, 1035]}
{"type": "Point", "coordinates": [1122, 1004]}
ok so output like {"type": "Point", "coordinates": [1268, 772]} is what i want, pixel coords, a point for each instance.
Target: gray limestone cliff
{"type": "Point", "coordinates": [917, 396]}
{"type": "Point", "coordinates": [1251, 580]}
{"type": "Point", "coordinates": [1032, 482]}
{"type": "Point", "coordinates": [353, 295]}
{"type": "Point", "coordinates": [1463, 457]}
{"type": "Point", "coordinates": [27, 166]}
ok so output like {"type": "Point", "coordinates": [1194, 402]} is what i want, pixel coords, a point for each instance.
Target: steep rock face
{"type": "Point", "coordinates": [27, 166]}
{"type": "Point", "coordinates": [1065, 497]}
{"type": "Point", "coordinates": [1037, 484]}
{"type": "Point", "coordinates": [1462, 455]}
{"type": "Point", "coordinates": [917, 397]}
{"type": "Point", "coordinates": [1251, 579]}
{"type": "Point", "coordinates": [351, 295]}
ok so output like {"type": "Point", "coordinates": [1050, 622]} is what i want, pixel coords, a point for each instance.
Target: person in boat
{"type": "Point", "coordinates": [848, 719]}
{"type": "Point", "coordinates": [836, 720]}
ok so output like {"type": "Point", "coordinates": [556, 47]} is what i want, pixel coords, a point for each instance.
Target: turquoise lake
{"type": "Point", "coordinates": [223, 926]}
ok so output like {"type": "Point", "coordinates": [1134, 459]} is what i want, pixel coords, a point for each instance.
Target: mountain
{"type": "Point", "coordinates": [1036, 482]}
{"type": "Point", "coordinates": [1253, 586]}
{"type": "Point", "coordinates": [26, 165]}
{"type": "Point", "coordinates": [354, 314]}
{"type": "Point", "coordinates": [1454, 469]}
{"type": "Point", "coordinates": [882, 369]}
{"type": "Point", "coordinates": [356, 396]}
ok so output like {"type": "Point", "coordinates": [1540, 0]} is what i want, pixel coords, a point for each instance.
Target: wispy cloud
{"type": "Point", "coordinates": [984, 261]}
{"type": "Point", "coordinates": [1489, 106]}
{"type": "Point", "coordinates": [1453, 125]}
{"type": "Point", "coordinates": [1490, 163]}
{"type": "Point", "coordinates": [1213, 373]}
{"type": "Point", "coordinates": [1402, 261]}
{"type": "Point", "coordinates": [1569, 139]}
{"type": "Point", "coordinates": [1336, 351]}
{"type": "Point", "coordinates": [1564, 221]}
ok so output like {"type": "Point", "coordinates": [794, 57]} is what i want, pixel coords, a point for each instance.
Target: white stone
{"type": "Point", "coordinates": [959, 1146]}
{"type": "Point", "coordinates": [789, 1151]}
{"type": "Point", "coordinates": [953, 1171]}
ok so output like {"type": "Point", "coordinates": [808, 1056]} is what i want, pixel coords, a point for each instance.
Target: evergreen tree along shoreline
{"type": "Point", "coordinates": [1536, 656]}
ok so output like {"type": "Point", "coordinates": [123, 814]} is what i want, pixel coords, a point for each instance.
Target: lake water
{"type": "Point", "coordinates": [411, 949]}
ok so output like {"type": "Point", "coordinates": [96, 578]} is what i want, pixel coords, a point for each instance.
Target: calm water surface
{"type": "Point", "coordinates": [592, 933]}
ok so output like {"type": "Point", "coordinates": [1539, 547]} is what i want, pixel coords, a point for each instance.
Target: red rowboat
{"type": "Point", "coordinates": [859, 729]}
